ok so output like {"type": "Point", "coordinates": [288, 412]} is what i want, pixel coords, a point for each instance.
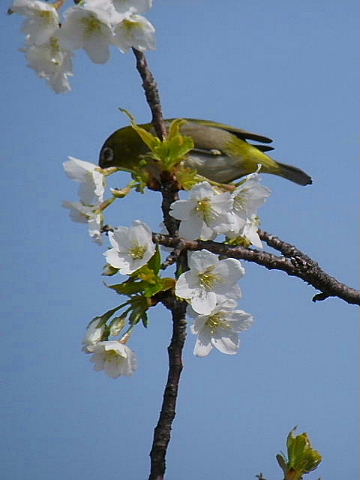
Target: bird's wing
{"type": "Point", "coordinates": [239, 132]}
{"type": "Point", "coordinates": [262, 148]}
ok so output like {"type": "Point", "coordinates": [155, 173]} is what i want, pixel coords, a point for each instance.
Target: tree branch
{"type": "Point", "coordinates": [151, 93]}
{"type": "Point", "coordinates": [169, 188]}
{"type": "Point", "coordinates": [297, 265]}
{"type": "Point", "coordinates": [293, 262]}
{"type": "Point", "coordinates": [162, 430]}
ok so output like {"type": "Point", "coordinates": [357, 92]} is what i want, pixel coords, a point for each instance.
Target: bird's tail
{"type": "Point", "coordinates": [293, 173]}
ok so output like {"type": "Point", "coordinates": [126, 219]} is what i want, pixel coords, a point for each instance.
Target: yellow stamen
{"type": "Point", "coordinates": [217, 321]}
{"type": "Point", "coordinates": [138, 252]}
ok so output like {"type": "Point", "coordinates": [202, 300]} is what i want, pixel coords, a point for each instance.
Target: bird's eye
{"type": "Point", "coordinates": [106, 157]}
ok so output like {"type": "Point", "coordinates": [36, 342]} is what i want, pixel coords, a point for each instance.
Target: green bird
{"type": "Point", "coordinates": [221, 153]}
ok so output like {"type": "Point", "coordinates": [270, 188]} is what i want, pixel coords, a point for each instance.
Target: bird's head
{"type": "Point", "coordinates": [123, 149]}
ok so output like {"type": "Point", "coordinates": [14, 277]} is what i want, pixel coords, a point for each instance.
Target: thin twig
{"type": "Point", "coordinates": [151, 93]}
{"type": "Point", "coordinates": [300, 266]}
{"type": "Point", "coordinates": [285, 248]}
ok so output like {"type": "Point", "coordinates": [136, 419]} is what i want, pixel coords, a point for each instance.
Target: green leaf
{"type": "Point", "coordinates": [173, 149]}
{"type": "Point", "coordinates": [146, 274]}
{"type": "Point", "coordinates": [302, 457]}
{"type": "Point", "coordinates": [188, 178]}
{"type": "Point", "coordinates": [145, 319]}
{"type": "Point", "coordinates": [161, 285]}
{"type": "Point", "coordinates": [155, 261]}
{"type": "Point", "coordinates": [109, 271]}
{"type": "Point", "coordinates": [139, 307]}
{"type": "Point", "coordinates": [129, 287]}
{"type": "Point", "coordinates": [107, 315]}
{"type": "Point", "coordinates": [281, 459]}
{"type": "Point", "coordinates": [148, 138]}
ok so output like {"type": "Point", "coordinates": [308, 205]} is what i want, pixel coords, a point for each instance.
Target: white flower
{"type": "Point", "coordinates": [250, 231]}
{"type": "Point", "coordinates": [128, 7]}
{"type": "Point", "coordinates": [91, 215]}
{"type": "Point", "coordinates": [219, 329]}
{"type": "Point", "coordinates": [209, 281]}
{"type": "Point", "coordinates": [132, 247]}
{"type": "Point", "coordinates": [93, 335]}
{"type": "Point", "coordinates": [53, 62]}
{"type": "Point", "coordinates": [134, 32]}
{"type": "Point", "coordinates": [92, 181]}
{"type": "Point", "coordinates": [206, 214]}
{"type": "Point", "coordinates": [114, 357]}
{"type": "Point", "coordinates": [248, 197]}
{"type": "Point", "coordinates": [106, 10]}
{"type": "Point", "coordinates": [42, 22]}
{"type": "Point", "coordinates": [88, 28]}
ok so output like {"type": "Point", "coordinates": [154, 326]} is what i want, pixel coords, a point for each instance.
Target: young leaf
{"type": "Point", "coordinates": [155, 261]}
{"type": "Point", "coordinates": [161, 285]}
{"type": "Point", "coordinates": [129, 287]}
{"type": "Point", "coordinates": [302, 458]}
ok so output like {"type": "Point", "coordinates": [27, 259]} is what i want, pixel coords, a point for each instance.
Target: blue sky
{"type": "Point", "coordinates": [283, 69]}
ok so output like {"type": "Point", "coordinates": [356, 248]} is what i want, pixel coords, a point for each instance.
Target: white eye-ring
{"type": "Point", "coordinates": [106, 156]}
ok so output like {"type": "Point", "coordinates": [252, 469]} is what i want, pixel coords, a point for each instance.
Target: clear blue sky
{"type": "Point", "coordinates": [288, 70]}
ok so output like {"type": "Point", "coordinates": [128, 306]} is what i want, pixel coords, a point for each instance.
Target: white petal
{"type": "Point", "coordinates": [181, 209]}
{"type": "Point", "coordinates": [200, 321]}
{"type": "Point", "coordinates": [201, 260]}
{"type": "Point", "coordinates": [241, 320]}
{"type": "Point", "coordinates": [187, 285]}
{"type": "Point", "coordinates": [230, 271]}
{"type": "Point", "coordinates": [97, 47]}
{"type": "Point", "coordinates": [114, 259]}
{"type": "Point", "coordinates": [203, 346]}
{"type": "Point", "coordinates": [203, 302]}
{"type": "Point", "coordinates": [226, 342]}
{"type": "Point", "coordinates": [193, 228]}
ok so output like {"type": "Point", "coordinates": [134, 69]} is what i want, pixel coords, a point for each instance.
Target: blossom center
{"type": "Point", "coordinates": [204, 207]}
{"type": "Point", "coordinates": [91, 25]}
{"type": "Point", "coordinates": [208, 279]}
{"type": "Point", "coordinates": [112, 355]}
{"type": "Point", "coordinates": [217, 321]}
{"type": "Point", "coordinates": [138, 252]}
{"type": "Point", "coordinates": [130, 24]}
{"type": "Point", "coordinates": [55, 51]}
{"type": "Point", "coordinates": [46, 15]}
{"type": "Point", "coordinates": [240, 201]}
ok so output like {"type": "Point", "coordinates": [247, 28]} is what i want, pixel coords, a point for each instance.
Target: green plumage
{"type": "Point", "coordinates": [221, 153]}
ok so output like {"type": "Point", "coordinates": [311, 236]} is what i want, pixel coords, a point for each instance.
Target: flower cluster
{"type": "Point", "coordinates": [92, 25]}
{"type": "Point", "coordinates": [91, 193]}
{"type": "Point", "coordinates": [132, 248]}
{"type": "Point", "coordinates": [210, 212]}
{"type": "Point", "coordinates": [112, 356]}
{"type": "Point", "coordinates": [210, 285]}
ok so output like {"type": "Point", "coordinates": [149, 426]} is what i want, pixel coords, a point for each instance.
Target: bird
{"type": "Point", "coordinates": [221, 153]}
